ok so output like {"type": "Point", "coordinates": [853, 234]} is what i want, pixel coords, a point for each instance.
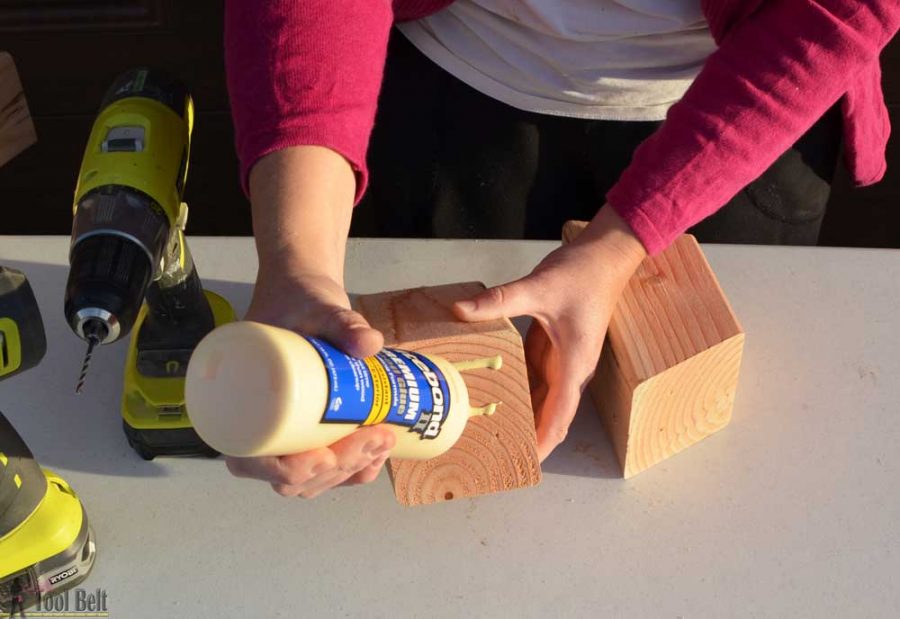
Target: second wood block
{"type": "Point", "coordinates": [669, 368]}
{"type": "Point", "coordinates": [494, 453]}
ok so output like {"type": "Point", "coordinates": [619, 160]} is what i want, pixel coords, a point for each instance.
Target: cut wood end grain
{"type": "Point", "coordinates": [670, 363]}
{"type": "Point", "coordinates": [16, 126]}
{"type": "Point", "coordinates": [494, 453]}
{"type": "Point", "coordinates": [682, 405]}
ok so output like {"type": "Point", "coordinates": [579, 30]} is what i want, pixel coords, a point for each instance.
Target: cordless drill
{"type": "Point", "coordinates": [129, 264]}
{"type": "Point", "coordinates": [46, 544]}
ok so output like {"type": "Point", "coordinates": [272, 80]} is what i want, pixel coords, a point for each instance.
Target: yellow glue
{"type": "Point", "coordinates": [257, 390]}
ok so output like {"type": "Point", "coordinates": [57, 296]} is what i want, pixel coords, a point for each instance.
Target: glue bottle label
{"type": "Point", "coordinates": [395, 386]}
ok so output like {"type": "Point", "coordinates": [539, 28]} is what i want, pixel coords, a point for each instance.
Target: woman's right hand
{"type": "Point", "coordinates": [302, 199]}
{"type": "Point", "coordinates": [317, 305]}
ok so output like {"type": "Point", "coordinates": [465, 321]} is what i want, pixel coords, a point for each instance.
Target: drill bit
{"type": "Point", "coordinates": [94, 332]}
{"type": "Point", "coordinates": [92, 341]}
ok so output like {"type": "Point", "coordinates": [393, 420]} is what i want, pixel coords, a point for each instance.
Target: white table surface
{"type": "Point", "coordinates": [792, 511]}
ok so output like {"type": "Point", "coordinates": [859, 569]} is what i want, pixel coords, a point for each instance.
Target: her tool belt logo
{"type": "Point", "coordinates": [395, 386]}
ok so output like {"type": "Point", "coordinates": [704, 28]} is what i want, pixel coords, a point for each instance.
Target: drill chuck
{"type": "Point", "coordinates": [107, 282]}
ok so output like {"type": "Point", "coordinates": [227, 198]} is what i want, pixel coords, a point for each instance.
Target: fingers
{"type": "Point", "coordinates": [285, 470]}
{"type": "Point", "coordinates": [537, 357]}
{"type": "Point", "coordinates": [555, 416]}
{"type": "Point", "coordinates": [311, 473]}
{"type": "Point", "coordinates": [556, 381]}
{"type": "Point", "coordinates": [361, 451]}
{"type": "Point", "coordinates": [361, 448]}
{"type": "Point", "coordinates": [368, 474]}
{"type": "Point", "coordinates": [514, 299]}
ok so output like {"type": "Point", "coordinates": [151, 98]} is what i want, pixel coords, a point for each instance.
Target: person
{"type": "Point", "coordinates": [506, 117]}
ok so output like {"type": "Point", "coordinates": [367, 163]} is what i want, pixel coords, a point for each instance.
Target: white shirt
{"type": "Point", "coordinates": [603, 59]}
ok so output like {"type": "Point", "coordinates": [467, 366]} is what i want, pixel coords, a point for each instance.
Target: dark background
{"type": "Point", "coordinates": [69, 51]}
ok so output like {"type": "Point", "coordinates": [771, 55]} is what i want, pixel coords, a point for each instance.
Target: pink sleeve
{"type": "Point", "coordinates": [774, 75]}
{"type": "Point", "coordinates": [305, 72]}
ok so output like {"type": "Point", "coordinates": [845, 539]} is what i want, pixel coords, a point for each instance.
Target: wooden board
{"type": "Point", "coordinates": [669, 368]}
{"type": "Point", "coordinates": [16, 128]}
{"type": "Point", "coordinates": [495, 453]}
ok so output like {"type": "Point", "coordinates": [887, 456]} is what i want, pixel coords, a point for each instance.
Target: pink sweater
{"type": "Point", "coordinates": [308, 72]}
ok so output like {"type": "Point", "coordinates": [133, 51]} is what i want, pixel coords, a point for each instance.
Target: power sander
{"type": "Point", "coordinates": [46, 544]}
{"type": "Point", "coordinates": [130, 267]}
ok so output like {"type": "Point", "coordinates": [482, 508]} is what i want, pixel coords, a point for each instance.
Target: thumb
{"type": "Point", "coordinates": [507, 300]}
{"type": "Point", "coordinates": [350, 332]}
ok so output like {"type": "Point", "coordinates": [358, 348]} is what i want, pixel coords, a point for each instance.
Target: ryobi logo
{"type": "Point", "coordinates": [63, 576]}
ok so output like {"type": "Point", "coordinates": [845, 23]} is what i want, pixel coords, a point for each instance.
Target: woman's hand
{"type": "Point", "coordinates": [302, 202]}
{"type": "Point", "coordinates": [571, 295]}
{"type": "Point", "coordinates": [316, 305]}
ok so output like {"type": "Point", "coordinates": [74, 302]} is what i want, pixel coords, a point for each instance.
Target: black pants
{"type": "Point", "coordinates": [447, 161]}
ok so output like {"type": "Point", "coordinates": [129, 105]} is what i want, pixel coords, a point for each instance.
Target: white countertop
{"type": "Point", "coordinates": [791, 511]}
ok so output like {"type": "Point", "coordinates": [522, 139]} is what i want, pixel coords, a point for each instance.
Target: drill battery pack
{"type": "Point", "coordinates": [154, 417]}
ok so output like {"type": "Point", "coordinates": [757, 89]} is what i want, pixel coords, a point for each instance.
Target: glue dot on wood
{"type": "Point", "coordinates": [486, 411]}
{"type": "Point", "coordinates": [485, 363]}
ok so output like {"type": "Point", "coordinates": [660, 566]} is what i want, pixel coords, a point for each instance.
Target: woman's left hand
{"type": "Point", "coordinates": [571, 295]}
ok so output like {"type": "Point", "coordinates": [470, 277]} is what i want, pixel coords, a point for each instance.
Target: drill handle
{"type": "Point", "coordinates": [176, 297]}
{"type": "Point", "coordinates": [178, 317]}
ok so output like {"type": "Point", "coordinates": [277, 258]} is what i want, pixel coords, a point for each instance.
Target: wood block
{"type": "Point", "coordinates": [669, 368]}
{"type": "Point", "coordinates": [494, 453]}
{"type": "Point", "coordinates": [16, 128]}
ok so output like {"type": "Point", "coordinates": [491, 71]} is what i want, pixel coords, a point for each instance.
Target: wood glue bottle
{"type": "Point", "coordinates": [257, 390]}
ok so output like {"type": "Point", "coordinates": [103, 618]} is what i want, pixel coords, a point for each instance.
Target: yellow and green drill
{"type": "Point", "coordinates": [130, 266]}
{"type": "Point", "coordinates": [46, 544]}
